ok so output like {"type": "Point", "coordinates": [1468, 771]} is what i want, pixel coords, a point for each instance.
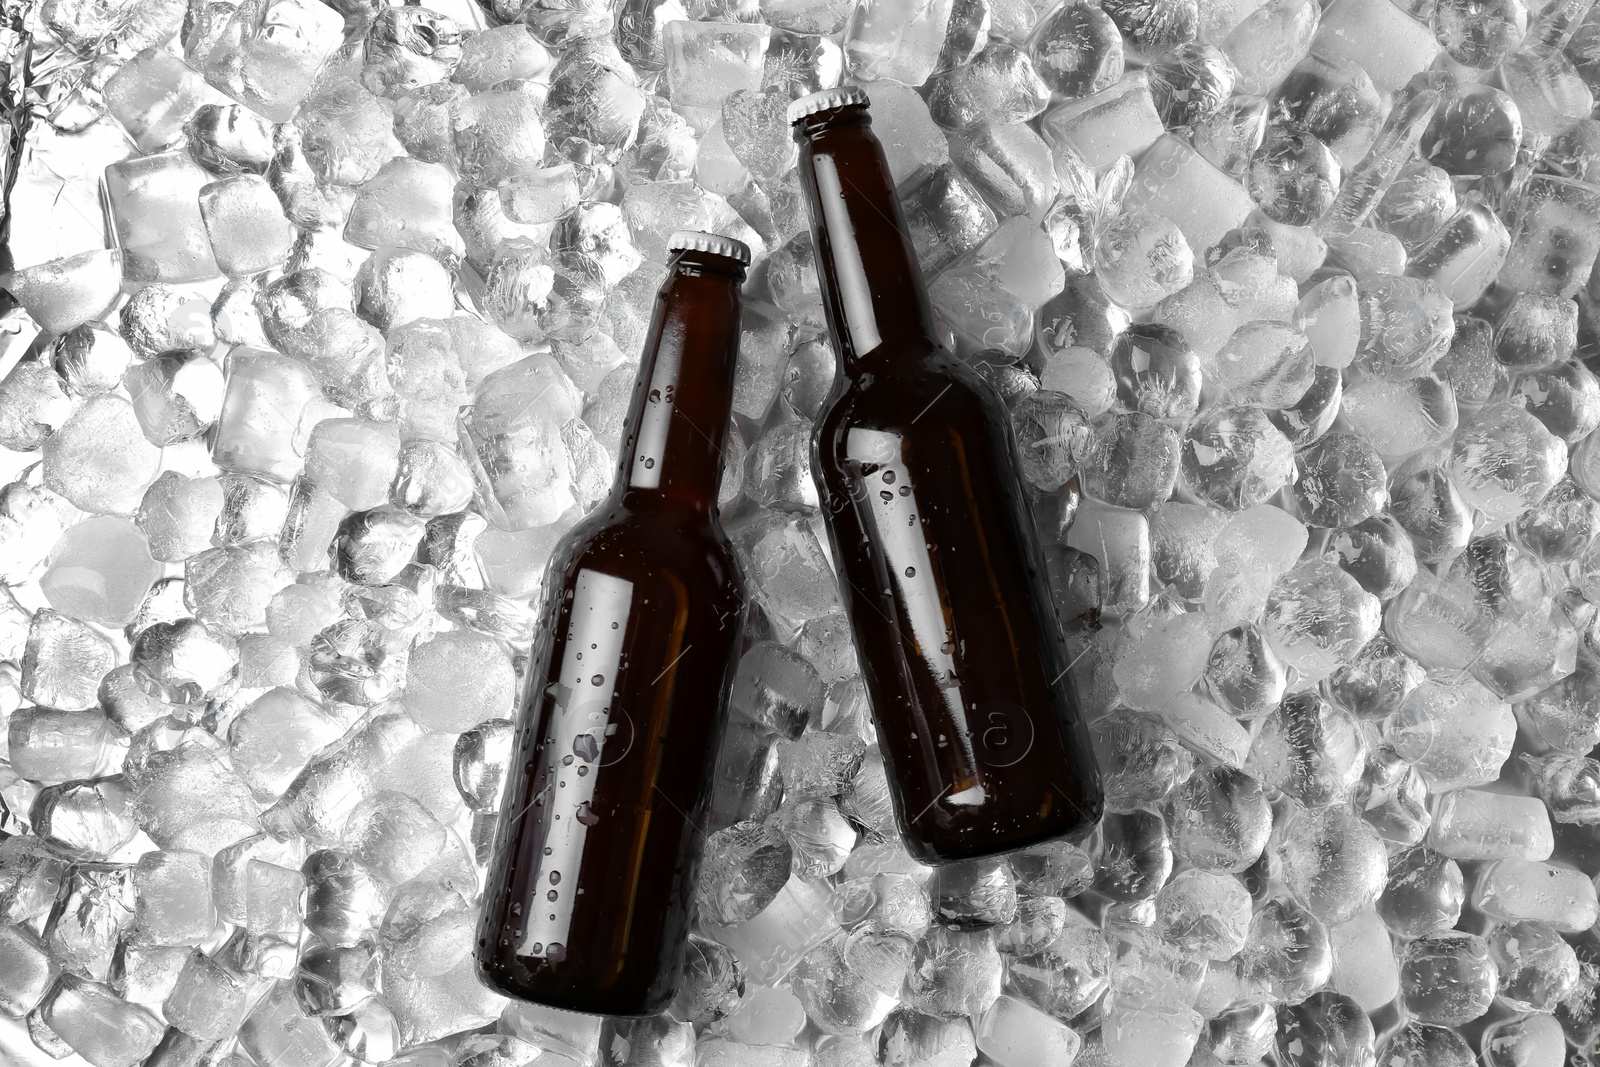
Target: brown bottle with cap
{"type": "Point", "coordinates": [940, 567]}
{"type": "Point", "coordinates": [588, 899]}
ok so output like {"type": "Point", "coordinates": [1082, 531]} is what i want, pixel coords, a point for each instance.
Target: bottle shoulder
{"type": "Point", "coordinates": [935, 393]}
{"type": "Point", "coordinates": [674, 545]}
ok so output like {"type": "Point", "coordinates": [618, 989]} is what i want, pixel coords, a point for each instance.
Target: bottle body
{"type": "Point", "coordinates": [588, 900]}
{"type": "Point", "coordinates": [942, 573]}
{"type": "Point", "coordinates": [621, 719]}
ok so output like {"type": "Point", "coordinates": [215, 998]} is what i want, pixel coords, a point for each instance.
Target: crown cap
{"type": "Point", "coordinates": [827, 100]}
{"type": "Point", "coordinates": [715, 243]}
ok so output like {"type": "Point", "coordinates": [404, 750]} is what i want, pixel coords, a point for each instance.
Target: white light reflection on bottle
{"type": "Point", "coordinates": [892, 503]}
{"type": "Point", "coordinates": [601, 604]}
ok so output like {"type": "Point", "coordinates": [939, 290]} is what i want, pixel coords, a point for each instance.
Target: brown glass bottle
{"type": "Point", "coordinates": [940, 566]}
{"type": "Point", "coordinates": [587, 901]}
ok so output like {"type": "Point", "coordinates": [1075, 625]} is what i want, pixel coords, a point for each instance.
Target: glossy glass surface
{"type": "Point", "coordinates": [941, 570]}
{"type": "Point", "coordinates": [594, 868]}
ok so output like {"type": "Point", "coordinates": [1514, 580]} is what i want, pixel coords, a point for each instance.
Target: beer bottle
{"type": "Point", "coordinates": [939, 562]}
{"type": "Point", "coordinates": [589, 893]}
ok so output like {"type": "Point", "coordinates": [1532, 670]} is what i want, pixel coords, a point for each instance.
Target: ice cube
{"type": "Point", "coordinates": [100, 1027]}
{"type": "Point", "coordinates": [272, 913]}
{"type": "Point", "coordinates": [394, 837]}
{"type": "Point", "coordinates": [1516, 889]}
{"type": "Point", "coordinates": [1119, 120]}
{"type": "Point", "coordinates": [407, 49]}
{"type": "Point", "coordinates": [954, 972]}
{"type": "Point", "coordinates": [998, 85]}
{"type": "Point", "coordinates": [65, 293]}
{"type": "Point", "coordinates": [1267, 43]}
{"type": "Point", "coordinates": [1456, 732]}
{"type": "Point", "coordinates": [28, 971]}
{"type": "Point", "coordinates": [500, 54]}
{"type": "Point", "coordinates": [279, 1031]}
{"type": "Point", "coordinates": [712, 985]}
{"type": "Point", "coordinates": [1265, 363]}
{"type": "Point", "coordinates": [1157, 1032]}
{"type": "Point", "coordinates": [397, 285]}
{"type": "Point", "coordinates": [946, 216]}
{"type": "Point", "coordinates": [1309, 749]}
{"type": "Point", "coordinates": [1175, 181]}
{"type": "Point", "coordinates": [1162, 658]}
{"type": "Point", "coordinates": [99, 459]}
{"type": "Point", "coordinates": [1505, 461]}
{"type": "Point", "coordinates": [744, 869]}
{"type": "Point", "coordinates": [1566, 785]}
{"type": "Point", "coordinates": [1537, 968]}
{"type": "Point", "coordinates": [1532, 1038]}
{"type": "Point", "coordinates": [344, 903]}
{"type": "Point", "coordinates": [1219, 820]}
{"type": "Point", "coordinates": [1421, 1043]}
{"type": "Point", "coordinates": [1421, 200]}
{"type": "Point", "coordinates": [481, 756]}
{"type": "Point", "coordinates": [890, 40]}
{"type": "Point", "coordinates": [172, 904]}
{"type": "Point", "coordinates": [1327, 1021]}
{"type": "Point", "coordinates": [323, 794]}
{"type": "Point", "coordinates": [174, 399]}
{"type": "Point", "coordinates": [100, 571]}
{"type": "Point", "coordinates": [229, 588]}
{"type": "Point", "coordinates": [155, 207]}
{"type": "Point", "coordinates": [271, 740]}
{"type": "Point", "coordinates": [1364, 965]}
{"type": "Point", "coordinates": [269, 54]}
{"type": "Point", "coordinates": [1287, 954]}
{"type": "Point", "coordinates": [34, 403]}
{"type": "Point", "coordinates": [1235, 458]}
{"type": "Point", "coordinates": [1010, 164]}
{"type": "Point", "coordinates": [31, 876]}
{"type": "Point", "coordinates": [708, 60]}
{"type": "Point", "coordinates": [252, 510]}
{"type": "Point", "coordinates": [95, 818]}
{"type": "Point", "coordinates": [1480, 39]}
{"type": "Point", "coordinates": [354, 460]}
{"type": "Point", "coordinates": [981, 314]}
{"type": "Point", "coordinates": [1334, 99]}
{"type": "Point", "coordinates": [189, 797]}
{"type": "Point", "coordinates": [208, 1001]}
{"type": "Point", "coordinates": [266, 418]}
{"type": "Point", "coordinates": [1448, 978]}
{"type": "Point", "coordinates": [1465, 254]}
{"type": "Point", "coordinates": [61, 668]}
{"type": "Point", "coordinates": [1554, 235]}
{"type": "Point", "coordinates": [1333, 862]}
{"type": "Point", "coordinates": [769, 945]}
{"type": "Point", "coordinates": [1406, 326]}
{"type": "Point", "coordinates": [229, 138]}
{"type": "Point", "coordinates": [91, 918]}
{"type": "Point", "coordinates": [1389, 44]}
{"type": "Point", "coordinates": [1293, 177]}
{"type": "Point", "coordinates": [406, 204]}
{"type": "Point", "coordinates": [245, 225]}
{"type": "Point", "coordinates": [1318, 617]}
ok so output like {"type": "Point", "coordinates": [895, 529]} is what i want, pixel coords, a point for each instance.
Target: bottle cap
{"type": "Point", "coordinates": [715, 243]}
{"type": "Point", "coordinates": [827, 100]}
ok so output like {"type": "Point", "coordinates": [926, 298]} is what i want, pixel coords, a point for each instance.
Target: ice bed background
{"type": "Point", "coordinates": [325, 322]}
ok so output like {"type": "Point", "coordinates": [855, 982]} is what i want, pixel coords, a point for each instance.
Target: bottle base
{"type": "Point", "coordinates": [976, 844]}
{"type": "Point", "coordinates": [570, 995]}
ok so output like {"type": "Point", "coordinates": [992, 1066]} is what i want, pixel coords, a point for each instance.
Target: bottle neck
{"type": "Point", "coordinates": [672, 445]}
{"type": "Point", "coordinates": [872, 286]}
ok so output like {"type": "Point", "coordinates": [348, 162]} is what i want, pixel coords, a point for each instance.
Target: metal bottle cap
{"type": "Point", "coordinates": [715, 243]}
{"type": "Point", "coordinates": [827, 100]}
